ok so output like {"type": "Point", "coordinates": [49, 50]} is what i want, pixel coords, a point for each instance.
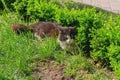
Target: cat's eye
{"type": "Point", "coordinates": [65, 38]}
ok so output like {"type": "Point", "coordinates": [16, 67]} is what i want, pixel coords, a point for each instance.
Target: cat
{"type": "Point", "coordinates": [65, 35]}
{"type": "Point", "coordinates": [40, 29]}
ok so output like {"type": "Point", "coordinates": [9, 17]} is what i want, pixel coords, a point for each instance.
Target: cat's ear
{"type": "Point", "coordinates": [72, 28]}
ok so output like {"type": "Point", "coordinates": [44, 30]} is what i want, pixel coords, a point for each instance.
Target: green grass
{"type": "Point", "coordinates": [18, 52]}
{"type": "Point", "coordinates": [15, 52]}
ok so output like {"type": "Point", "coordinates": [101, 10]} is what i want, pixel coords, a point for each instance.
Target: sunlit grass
{"type": "Point", "coordinates": [18, 52]}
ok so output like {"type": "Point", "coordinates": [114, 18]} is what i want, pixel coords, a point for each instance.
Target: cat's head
{"type": "Point", "coordinates": [66, 36]}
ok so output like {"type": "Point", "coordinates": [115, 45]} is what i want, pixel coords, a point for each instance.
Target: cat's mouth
{"type": "Point", "coordinates": [65, 44]}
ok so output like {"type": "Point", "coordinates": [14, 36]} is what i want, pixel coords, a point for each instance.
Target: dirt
{"type": "Point", "coordinates": [53, 70]}
{"type": "Point", "coordinates": [50, 70]}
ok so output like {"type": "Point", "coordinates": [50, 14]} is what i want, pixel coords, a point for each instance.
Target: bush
{"type": "Point", "coordinates": [102, 38]}
{"type": "Point", "coordinates": [68, 17]}
{"type": "Point", "coordinates": [46, 11]}
{"type": "Point", "coordinates": [114, 57]}
{"type": "Point", "coordinates": [105, 44]}
{"type": "Point", "coordinates": [38, 9]}
{"type": "Point", "coordinates": [89, 21]}
{"type": "Point", "coordinates": [6, 4]}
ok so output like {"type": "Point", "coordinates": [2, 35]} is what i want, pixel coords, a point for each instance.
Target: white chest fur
{"type": "Point", "coordinates": [68, 44]}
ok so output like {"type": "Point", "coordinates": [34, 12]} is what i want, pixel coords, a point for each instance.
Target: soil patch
{"type": "Point", "coordinates": [50, 70]}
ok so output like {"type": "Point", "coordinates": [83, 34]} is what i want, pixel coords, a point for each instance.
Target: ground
{"type": "Point", "coordinates": [50, 70]}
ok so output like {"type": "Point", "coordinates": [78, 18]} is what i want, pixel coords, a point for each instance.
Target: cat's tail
{"type": "Point", "coordinates": [20, 28]}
